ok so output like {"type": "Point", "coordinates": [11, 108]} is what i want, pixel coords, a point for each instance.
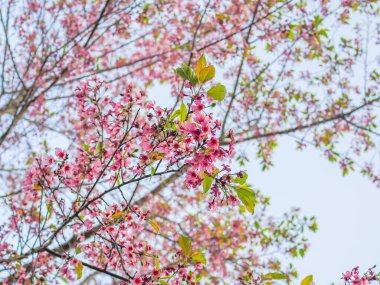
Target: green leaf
{"type": "Point", "coordinates": [78, 250]}
{"type": "Point", "coordinates": [86, 148]}
{"type": "Point", "coordinates": [323, 32]}
{"type": "Point", "coordinates": [247, 197]}
{"type": "Point", "coordinates": [46, 146]}
{"type": "Point", "coordinates": [308, 280]}
{"type": "Point", "coordinates": [241, 209]}
{"type": "Point", "coordinates": [275, 276]}
{"type": "Point", "coordinates": [317, 20]}
{"type": "Point", "coordinates": [157, 262]}
{"type": "Point", "coordinates": [118, 215]}
{"type": "Point", "coordinates": [50, 209]}
{"type": "Point", "coordinates": [182, 112]}
{"type": "Point", "coordinates": [187, 73]}
{"type": "Point", "coordinates": [217, 92]}
{"type": "Point", "coordinates": [207, 74]}
{"type": "Point", "coordinates": [199, 257]}
{"type": "Point", "coordinates": [99, 146]}
{"type": "Point", "coordinates": [38, 187]}
{"type": "Point", "coordinates": [201, 63]}
{"type": "Point", "coordinates": [207, 182]}
{"type": "Point", "coordinates": [241, 180]}
{"type": "Point", "coordinates": [146, 7]}
{"type": "Point", "coordinates": [175, 115]}
{"type": "Point", "coordinates": [185, 245]}
{"type": "Point", "coordinates": [155, 226]}
{"type": "Point", "coordinates": [97, 64]}
{"type": "Point", "coordinates": [152, 171]}
{"type": "Point", "coordinates": [79, 269]}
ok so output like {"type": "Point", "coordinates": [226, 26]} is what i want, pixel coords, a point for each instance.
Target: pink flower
{"type": "Point", "coordinates": [182, 272]}
{"type": "Point", "coordinates": [144, 158]}
{"type": "Point", "coordinates": [88, 224]}
{"type": "Point", "coordinates": [347, 275]}
{"type": "Point", "coordinates": [187, 84]}
{"type": "Point", "coordinates": [156, 273]}
{"type": "Point", "coordinates": [130, 248]}
{"type": "Point", "coordinates": [49, 160]}
{"type": "Point", "coordinates": [60, 153]}
{"type": "Point", "coordinates": [364, 281]}
{"type": "Point", "coordinates": [67, 169]}
{"type": "Point", "coordinates": [233, 201]}
{"type": "Point", "coordinates": [137, 280]}
{"type": "Point", "coordinates": [213, 143]}
{"type": "Point", "coordinates": [198, 107]}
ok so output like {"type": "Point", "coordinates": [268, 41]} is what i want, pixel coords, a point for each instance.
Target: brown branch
{"type": "Point", "coordinates": [92, 267]}
{"type": "Point", "coordinates": [243, 29]}
{"type": "Point", "coordinates": [97, 23]}
{"type": "Point", "coordinates": [239, 71]}
{"type": "Point", "coordinates": [361, 128]}
{"type": "Point", "coordinates": [306, 126]}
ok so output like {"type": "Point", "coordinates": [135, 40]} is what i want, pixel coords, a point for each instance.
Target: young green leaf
{"type": "Point", "coordinates": [152, 171]}
{"type": "Point", "coordinates": [175, 115]}
{"type": "Point", "coordinates": [247, 197]}
{"type": "Point", "coordinates": [185, 245]}
{"type": "Point", "coordinates": [182, 112]}
{"type": "Point", "coordinates": [199, 257]}
{"type": "Point", "coordinates": [207, 74]}
{"type": "Point", "coordinates": [308, 280]}
{"type": "Point", "coordinates": [79, 269]}
{"type": "Point", "coordinates": [118, 215]}
{"type": "Point", "coordinates": [207, 182]}
{"type": "Point", "coordinates": [217, 92]}
{"type": "Point", "coordinates": [275, 276]}
{"type": "Point", "coordinates": [50, 210]}
{"type": "Point", "coordinates": [37, 186]}
{"type": "Point", "coordinates": [187, 73]}
{"type": "Point", "coordinates": [241, 180]}
{"type": "Point", "coordinates": [157, 262]}
{"type": "Point", "coordinates": [201, 63]}
{"type": "Point", "coordinates": [155, 226]}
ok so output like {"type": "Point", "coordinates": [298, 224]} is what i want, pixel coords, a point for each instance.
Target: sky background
{"type": "Point", "coordinates": [347, 210]}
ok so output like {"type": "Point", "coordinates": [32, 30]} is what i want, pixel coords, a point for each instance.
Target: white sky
{"type": "Point", "coordinates": [347, 210]}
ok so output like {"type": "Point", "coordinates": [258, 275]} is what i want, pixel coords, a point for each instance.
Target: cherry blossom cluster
{"type": "Point", "coordinates": [122, 139]}
{"type": "Point", "coordinates": [354, 277]}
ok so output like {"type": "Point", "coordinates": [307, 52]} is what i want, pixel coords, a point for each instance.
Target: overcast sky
{"type": "Point", "coordinates": [347, 210]}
